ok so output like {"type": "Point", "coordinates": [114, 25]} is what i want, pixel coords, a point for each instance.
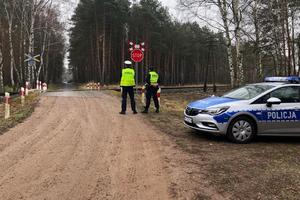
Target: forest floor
{"type": "Point", "coordinates": [268, 168]}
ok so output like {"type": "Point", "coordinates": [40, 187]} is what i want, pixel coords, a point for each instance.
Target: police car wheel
{"type": "Point", "coordinates": [241, 130]}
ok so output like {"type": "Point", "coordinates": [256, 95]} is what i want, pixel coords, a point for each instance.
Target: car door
{"type": "Point", "coordinates": [283, 118]}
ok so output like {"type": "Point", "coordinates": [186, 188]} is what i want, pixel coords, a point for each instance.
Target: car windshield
{"type": "Point", "coordinates": [247, 92]}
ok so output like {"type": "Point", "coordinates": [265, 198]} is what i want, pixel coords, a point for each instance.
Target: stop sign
{"type": "Point", "coordinates": [137, 55]}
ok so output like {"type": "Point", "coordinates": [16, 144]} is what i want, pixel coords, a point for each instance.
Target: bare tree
{"type": "Point", "coordinates": [230, 12]}
{"type": "Point", "coordinates": [1, 58]}
{"type": "Point", "coordinates": [10, 8]}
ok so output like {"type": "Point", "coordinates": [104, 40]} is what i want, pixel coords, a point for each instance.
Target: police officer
{"type": "Point", "coordinates": [127, 84]}
{"type": "Point", "coordinates": [152, 87]}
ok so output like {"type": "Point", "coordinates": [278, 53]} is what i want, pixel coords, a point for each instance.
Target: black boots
{"type": "Point", "coordinates": [146, 111]}
{"type": "Point", "coordinates": [124, 113]}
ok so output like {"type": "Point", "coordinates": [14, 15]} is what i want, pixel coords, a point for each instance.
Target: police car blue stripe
{"type": "Point", "coordinates": [264, 116]}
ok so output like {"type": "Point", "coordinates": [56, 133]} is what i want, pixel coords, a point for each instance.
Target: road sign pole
{"type": "Point", "coordinates": [137, 76]}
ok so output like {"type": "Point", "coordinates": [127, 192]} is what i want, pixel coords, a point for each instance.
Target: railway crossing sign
{"type": "Point", "coordinates": [32, 59]}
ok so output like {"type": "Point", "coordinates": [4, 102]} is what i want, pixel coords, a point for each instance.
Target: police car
{"type": "Point", "coordinates": [268, 108]}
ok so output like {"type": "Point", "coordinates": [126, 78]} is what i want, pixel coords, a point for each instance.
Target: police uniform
{"type": "Point", "coordinates": [127, 83]}
{"type": "Point", "coordinates": [152, 88]}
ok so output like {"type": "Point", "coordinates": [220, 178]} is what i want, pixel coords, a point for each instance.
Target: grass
{"type": "Point", "coordinates": [18, 113]}
{"type": "Point", "coordinates": [268, 168]}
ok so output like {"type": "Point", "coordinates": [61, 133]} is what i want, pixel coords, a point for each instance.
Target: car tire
{"type": "Point", "coordinates": [241, 130]}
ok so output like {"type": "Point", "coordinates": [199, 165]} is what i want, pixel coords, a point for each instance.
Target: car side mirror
{"type": "Point", "coordinates": [273, 101]}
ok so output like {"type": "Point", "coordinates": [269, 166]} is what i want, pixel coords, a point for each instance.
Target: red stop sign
{"type": "Point", "coordinates": [137, 55]}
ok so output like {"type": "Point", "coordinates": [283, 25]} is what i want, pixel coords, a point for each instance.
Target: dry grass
{"type": "Point", "coordinates": [268, 168]}
{"type": "Point", "coordinates": [18, 112]}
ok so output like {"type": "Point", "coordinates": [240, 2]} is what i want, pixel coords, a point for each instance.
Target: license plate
{"type": "Point", "coordinates": [189, 120]}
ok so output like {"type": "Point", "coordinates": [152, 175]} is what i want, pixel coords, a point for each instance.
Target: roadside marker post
{"type": "Point", "coordinates": [40, 85]}
{"type": "Point", "coordinates": [22, 94]}
{"type": "Point", "coordinates": [7, 106]}
{"type": "Point", "coordinates": [158, 95]}
{"type": "Point", "coordinates": [44, 87]}
{"type": "Point", "coordinates": [143, 95]}
{"type": "Point", "coordinates": [26, 88]}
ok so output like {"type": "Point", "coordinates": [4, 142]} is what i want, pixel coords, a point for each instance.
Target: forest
{"type": "Point", "coordinates": [224, 41]}
{"type": "Point", "coordinates": [30, 28]}
{"type": "Point", "coordinates": [247, 40]}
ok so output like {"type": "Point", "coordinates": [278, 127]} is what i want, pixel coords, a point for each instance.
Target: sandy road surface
{"type": "Point", "coordinates": [76, 146]}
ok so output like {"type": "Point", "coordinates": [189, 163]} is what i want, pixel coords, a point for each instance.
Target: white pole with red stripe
{"type": "Point", "coordinates": [158, 95]}
{"type": "Point", "coordinates": [26, 88]}
{"type": "Point", "coordinates": [22, 94]}
{"type": "Point", "coordinates": [44, 87]}
{"type": "Point", "coordinates": [7, 106]}
{"type": "Point", "coordinates": [143, 95]}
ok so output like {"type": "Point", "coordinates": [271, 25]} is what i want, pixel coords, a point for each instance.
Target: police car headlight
{"type": "Point", "coordinates": [215, 111]}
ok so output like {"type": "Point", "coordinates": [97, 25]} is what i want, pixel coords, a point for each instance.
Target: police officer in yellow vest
{"type": "Point", "coordinates": [127, 84]}
{"type": "Point", "coordinates": [152, 86]}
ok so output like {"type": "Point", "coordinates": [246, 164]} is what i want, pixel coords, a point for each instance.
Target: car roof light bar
{"type": "Point", "coordinates": [289, 79]}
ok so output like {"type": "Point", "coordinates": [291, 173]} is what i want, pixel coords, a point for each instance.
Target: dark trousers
{"type": "Point", "coordinates": [130, 91]}
{"type": "Point", "coordinates": [152, 92]}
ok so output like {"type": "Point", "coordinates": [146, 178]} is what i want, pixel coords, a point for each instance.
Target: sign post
{"type": "Point", "coordinates": [137, 56]}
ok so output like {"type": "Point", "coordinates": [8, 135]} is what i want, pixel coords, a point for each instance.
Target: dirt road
{"type": "Point", "coordinates": [76, 146]}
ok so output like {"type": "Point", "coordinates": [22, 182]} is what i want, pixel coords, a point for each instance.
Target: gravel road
{"type": "Point", "coordinates": [76, 146]}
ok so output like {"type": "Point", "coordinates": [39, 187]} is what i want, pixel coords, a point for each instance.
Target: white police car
{"type": "Point", "coordinates": [268, 108]}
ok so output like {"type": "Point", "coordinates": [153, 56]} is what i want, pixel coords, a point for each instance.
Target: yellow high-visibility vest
{"type": "Point", "coordinates": [127, 78]}
{"type": "Point", "coordinates": [153, 77]}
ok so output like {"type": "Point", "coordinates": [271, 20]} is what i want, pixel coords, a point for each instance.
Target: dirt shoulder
{"type": "Point", "coordinates": [268, 168]}
{"type": "Point", "coordinates": [18, 112]}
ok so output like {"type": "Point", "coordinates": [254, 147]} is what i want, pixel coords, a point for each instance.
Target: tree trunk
{"type": "Point", "coordinates": [257, 39]}
{"type": "Point", "coordinates": [30, 69]}
{"type": "Point", "coordinates": [222, 4]}
{"type": "Point", "coordinates": [237, 33]}
{"type": "Point", "coordinates": [1, 68]}
{"type": "Point", "coordinates": [11, 54]}
{"type": "Point", "coordinates": [286, 19]}
{"type": "Point", "coordinates": [293, 44]}
{"type": "Point", "coordinates": [109, 52]}
{"type": "Point", "coordinates": [47, 60]}
{"type": "Point", "coordinates": [104, 48]}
